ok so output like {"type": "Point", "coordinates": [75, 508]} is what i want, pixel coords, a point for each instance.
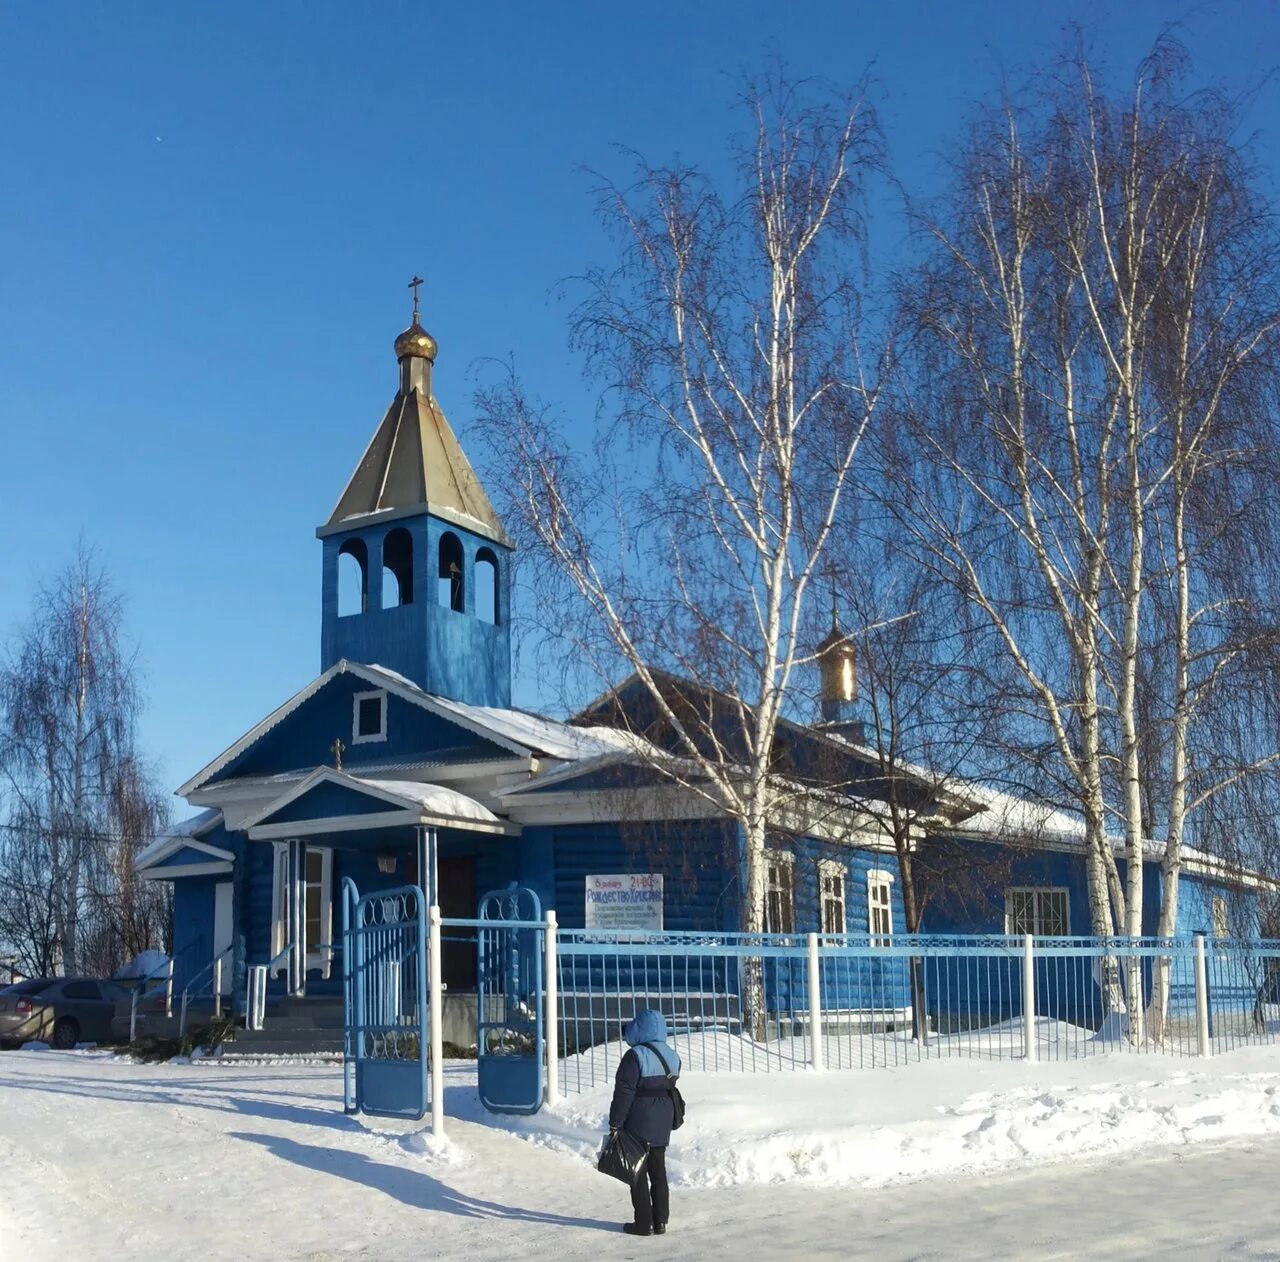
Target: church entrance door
{"type": "Point", "coordinates": [458, 902]}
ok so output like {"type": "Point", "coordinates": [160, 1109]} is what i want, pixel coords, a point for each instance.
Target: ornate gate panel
{"type": "Point", "coordinates": [385, 1047]}
{"type": "Point", "coordinates": [509, 992]}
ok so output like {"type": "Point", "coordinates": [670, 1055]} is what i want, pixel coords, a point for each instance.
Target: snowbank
{"type": "Point", "coordinates": [921, 1121]}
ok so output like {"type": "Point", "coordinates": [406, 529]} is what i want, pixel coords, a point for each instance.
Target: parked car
{"type": "Point", "coordinates": [63, 1011]}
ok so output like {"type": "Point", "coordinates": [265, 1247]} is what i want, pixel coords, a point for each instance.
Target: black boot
{"type": "Point", "coordinates": [659, 1229]}
{"type": "Point", "coordinates": [634, 1229]}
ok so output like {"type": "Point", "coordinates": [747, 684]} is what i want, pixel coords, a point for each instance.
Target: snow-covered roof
{"type": "Point", "coordinates": [434, 799]}
{"type": "Point", "coordinates": [166, 843]}
{"type": "Point", "coordinates": [550, 737]}
{"type": "Point", "coordinates": [409, 802]}
{"type": "Point", "coordinates": [1008, 816]}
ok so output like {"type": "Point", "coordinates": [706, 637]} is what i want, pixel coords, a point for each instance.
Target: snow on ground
{"type": "Point", "coordinates": [103, 1157]}
{"type": "Point", "coordinates": [938, 1118]}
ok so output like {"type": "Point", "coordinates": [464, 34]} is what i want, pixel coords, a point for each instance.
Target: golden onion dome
{"type": "Point", "coordinates": [416, 343]}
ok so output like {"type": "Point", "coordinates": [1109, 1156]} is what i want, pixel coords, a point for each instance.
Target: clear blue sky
{"type": "Point", "coordinates": [208, 214]}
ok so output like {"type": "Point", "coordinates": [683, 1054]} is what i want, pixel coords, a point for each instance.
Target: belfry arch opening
{"type": "Point", "coordinates": [450, 581]}
{"type": "Point", "coordinates": [487, 586]}
{"type": "Point", "coordinates": [353, 578]}
{"type": "Point", "coordinates": [397, 568]}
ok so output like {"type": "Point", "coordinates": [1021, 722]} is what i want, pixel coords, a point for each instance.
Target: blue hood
{"type": "Point", "coordinates": [649, 1026]}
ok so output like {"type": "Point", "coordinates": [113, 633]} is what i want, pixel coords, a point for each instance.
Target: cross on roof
{"type": "Point", "coordinates": [831, 573]}
{"type": "Point", "coordinates": [413, 284]}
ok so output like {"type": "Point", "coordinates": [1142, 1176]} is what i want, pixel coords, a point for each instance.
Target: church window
{"type": "Point", "coordinates": [880, 907]}
{"type": "Point", "coordinates": [369, 720]}
{"type": "Point", "coordinates": [779, 893]}
{"type": "Point", "coordinates": [449, 586]}
{"type": "Point", "coordinates": [1218, 915]}
{"type": "Point", "coordinates": [353, 578]}
{"type": "Point", "coordinates": [1044, 912]}
{"type": "Point", "coordinates": [487, 586]}
{"type": "Point", "coordinates": [397, 568]}
{"type": "Point", "coordinates": [831, 883]}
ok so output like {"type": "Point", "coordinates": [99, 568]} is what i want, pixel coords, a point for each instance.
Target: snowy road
{"type": "Point", "coordinates": [106, 1159]}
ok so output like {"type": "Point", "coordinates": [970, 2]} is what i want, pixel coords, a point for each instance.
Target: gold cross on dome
{"type": "Point", "coordinates": [413, 284]}
{"type": "Point", "coordinates": [338, 749]}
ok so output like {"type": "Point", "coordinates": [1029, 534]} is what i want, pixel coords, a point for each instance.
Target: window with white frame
{"type": "Point", "coordinates": [779, 893]}
{"type": "Point", "coordinates": [880, 907]}
{"type": "Point", "coordinates": [831, 876]}
{"type": "Point", "coordinates": [1218, 916]}
{"type": "Point", "coordinates": [1043, 911]}
{"type": "Point", "coordinates": [369, 717]}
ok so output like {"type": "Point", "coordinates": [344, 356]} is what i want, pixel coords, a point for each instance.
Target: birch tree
{"type": "Point", "coordinates": [725, 344]}
{"type": "Point", "coordinates": [1101, 305]}
{"type": "Point", "coordinates": [77, 804]}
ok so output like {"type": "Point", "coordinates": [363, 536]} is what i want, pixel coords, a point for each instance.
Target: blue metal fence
{"type": "Point", "coordinates": [862, 1002]}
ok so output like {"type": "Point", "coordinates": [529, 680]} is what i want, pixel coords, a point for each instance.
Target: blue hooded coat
{"type": "Point", "coordinates": [641, 1101]}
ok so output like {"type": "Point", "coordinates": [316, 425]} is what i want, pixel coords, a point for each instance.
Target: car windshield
{"type": "Point", "coordinates": [31, 987]}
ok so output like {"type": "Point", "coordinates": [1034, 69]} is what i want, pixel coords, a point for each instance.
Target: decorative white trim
{"type": "Point", "coordinates": [774, 855]}
{"type": "Point", "coordinates": [279, 884]}
{"type": "Point", "coordinates": [166, 847]}
{"type": "Point", "coordinates": [375, 694]}
{"type": "Point", "coordinates": [406, 811]}
{"type": "Point", "coordinates": [393, 684]}
{"type": "Point", "coordinates": [321, 960]}
{"type": "Point", "coordinates": [833, 868]}
{"type": "Point", "coordinates": [879, 880]}
{"type": "Point", "coordinates": [185, 869]}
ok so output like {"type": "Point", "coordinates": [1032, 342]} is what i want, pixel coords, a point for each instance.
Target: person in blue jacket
{"type": "Point", "coordinates": [642, 1106]}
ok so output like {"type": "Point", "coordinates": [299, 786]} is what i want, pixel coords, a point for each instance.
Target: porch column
{"type": "Point", "coordinates": [428, 866]}
{"type": "Point", "coordinates": [297, 916]}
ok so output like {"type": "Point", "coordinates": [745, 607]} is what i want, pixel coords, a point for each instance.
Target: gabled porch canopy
{"type": "Point", "coordinates": [329, 802]}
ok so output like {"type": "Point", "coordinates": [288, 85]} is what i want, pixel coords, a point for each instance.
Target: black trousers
{"type": "Point", "coordinates": [649, 1196]}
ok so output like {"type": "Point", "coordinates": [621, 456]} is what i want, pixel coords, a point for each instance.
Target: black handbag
{"type": "Point", "coordinates": [623, 1157]}
{"type": "Point", "coordinates": [677, 1100]}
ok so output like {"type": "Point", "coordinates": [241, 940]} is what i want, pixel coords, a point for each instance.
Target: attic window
{"type": "Point", "coordinates": [369, 717]}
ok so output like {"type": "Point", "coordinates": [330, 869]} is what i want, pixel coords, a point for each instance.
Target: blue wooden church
{"type": "Point", "coordinates": [403, 762]}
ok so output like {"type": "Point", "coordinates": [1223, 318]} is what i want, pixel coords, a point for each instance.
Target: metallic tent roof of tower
{"type": "Point", "coordinates": [416, 461]}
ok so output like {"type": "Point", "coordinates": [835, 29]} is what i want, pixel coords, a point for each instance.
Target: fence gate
{"type": "Point", "coordinates": [385, 1010]}
{"type": "Point", "coordinates": [509, 1026]}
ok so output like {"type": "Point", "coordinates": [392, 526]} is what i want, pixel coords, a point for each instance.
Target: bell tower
{"type": "Point", "coordinates": [417, 567]}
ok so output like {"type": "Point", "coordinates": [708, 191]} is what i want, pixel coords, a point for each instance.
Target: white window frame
{"type": "Point", "coordinates": [377, 694]}
{"type": "Point", "coordinates": [1037, 919]}
{"type": "Point", "coordinates": [828, 868]}
{"type": "Point", "coordinates": [879, 879]}
{"type": "Point", "coordinates": [1219, 921]}
{"type": "Point", "coordinates": [772, 856]}
{"type": "Point", "coordinates": [321, 961]}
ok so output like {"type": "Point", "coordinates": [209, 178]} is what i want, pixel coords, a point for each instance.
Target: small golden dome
{"type": "Point", "coordinates": [416, 343]}
{"type": "Point", "coordinates": [838, 667]}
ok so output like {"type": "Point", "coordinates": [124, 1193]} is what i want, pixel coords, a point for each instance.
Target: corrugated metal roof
{"type": "Point", "coordinates": [415, 460]}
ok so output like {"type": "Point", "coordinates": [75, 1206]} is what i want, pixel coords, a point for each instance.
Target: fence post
{"type": "Point", "coordinates": [437, 1020]}
{"type": "Point", "coordinates": [1202, 998]}
{"type": "Point", "coordinates": [217, 987]}
{"type": "Point", "coordinates": [168, 990]}
{"type": "Point", "coordinates": [133, 1012]}
{"type": "Point", "coordinates": [551, 1017]}
{"type": "Point", "coordinates": [1028, 1000]}
{"type": "Point", "coordinates": [815, 1004]}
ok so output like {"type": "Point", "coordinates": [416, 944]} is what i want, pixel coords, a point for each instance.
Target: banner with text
{"type": "Point", "coordinates": [624, 902]}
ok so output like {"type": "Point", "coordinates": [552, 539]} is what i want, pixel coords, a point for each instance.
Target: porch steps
{"type": "Point", "coordinates": [294, 1027]}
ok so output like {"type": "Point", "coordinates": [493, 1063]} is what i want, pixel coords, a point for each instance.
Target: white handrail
{"type": "Point", "coordinates": [215, 967]}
